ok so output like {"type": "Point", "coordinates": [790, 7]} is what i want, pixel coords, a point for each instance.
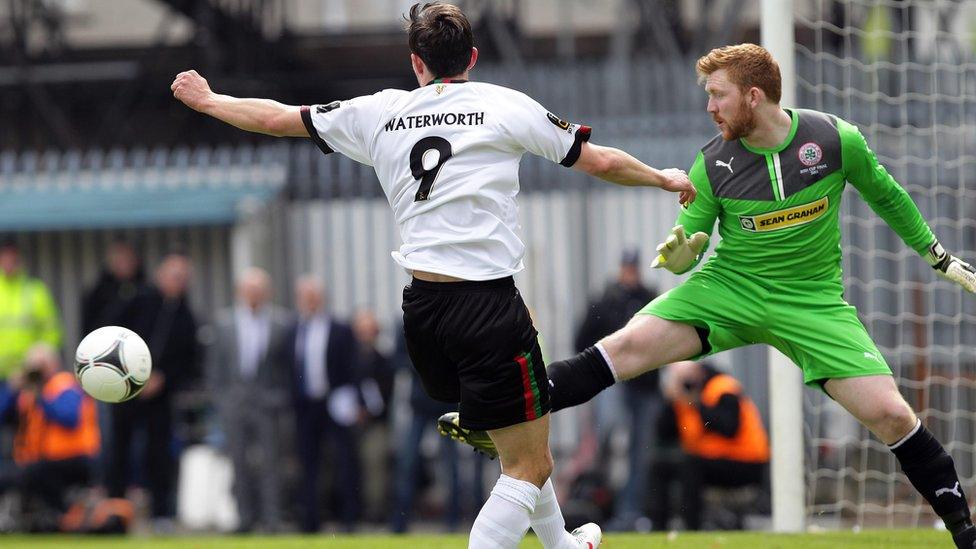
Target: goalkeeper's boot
{"type": "Point", "coordinates": [589, 536]}
{"type": "Point", "coordinates": [449, 425]}
{"type": "Point", "coordinates": [966, 538]}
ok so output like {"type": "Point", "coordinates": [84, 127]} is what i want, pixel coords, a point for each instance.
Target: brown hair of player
{"type": "Point", "coordinates": [441, 36]}
{"type": "Point", "coordinates": [748, 65]}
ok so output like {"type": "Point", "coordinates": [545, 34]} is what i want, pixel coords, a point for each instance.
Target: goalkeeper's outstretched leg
{"type": "Point", "coordinates": [876, 403]}
{"type": "Point", "coordinates": [647, 342]}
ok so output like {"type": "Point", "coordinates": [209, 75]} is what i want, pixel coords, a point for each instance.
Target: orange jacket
{"type": "Point", "coordinates": [40, 439]}
{"type": "Point", "coordinates": [749, 444]}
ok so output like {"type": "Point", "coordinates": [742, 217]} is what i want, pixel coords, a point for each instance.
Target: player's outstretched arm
{"type": "Point", "coordinates": [616, 166]}
{"type": "Point", "coordinates": [897, 208]}
{"type": "Point", "coordinates": [254, 115]}
{"type": "Point", "coordinates": [679, 253]}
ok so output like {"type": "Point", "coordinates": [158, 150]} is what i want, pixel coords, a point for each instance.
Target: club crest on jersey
{"type": "Point", "coordinates": [440, 88]}
{"type": "Point", "coordinates": [322, 109]}
{"type": "Point", "coordinates": [784, 219]}
{"type": "Point", "coordinates": [559, 122]}
{"type": "Point", "coordinates": [810, 154]}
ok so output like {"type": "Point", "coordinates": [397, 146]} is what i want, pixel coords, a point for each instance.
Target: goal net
{"type": "Point", "coordinates": [905, 73]}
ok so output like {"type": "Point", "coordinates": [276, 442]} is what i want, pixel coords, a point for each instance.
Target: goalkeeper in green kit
{"type": "Point", "coordinates": [773, 179]}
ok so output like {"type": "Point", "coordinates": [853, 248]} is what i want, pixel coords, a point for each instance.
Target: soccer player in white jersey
{"type": "Point", "coordinates": [447, 156]}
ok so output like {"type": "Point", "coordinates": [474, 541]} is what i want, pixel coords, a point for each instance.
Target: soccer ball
{"type": "Point", "coordinates": [112, 364]}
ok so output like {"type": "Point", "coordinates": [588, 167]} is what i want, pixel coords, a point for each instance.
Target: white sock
{"type": "Point", "coordinates": [504, 518]}
{"type": "Point", "coordinates": [548, 523]}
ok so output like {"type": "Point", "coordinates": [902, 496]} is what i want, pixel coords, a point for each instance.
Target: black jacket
{"type": "Point", "coordinates": [723, 418]}
{"type": "Point", "coordinates": [170, 330]}
{"type": "Point", "coordinates": [109, 301]}
{"type": "Point", "coordinates": [340, 360]}
{"type": "Point", "coordinates": [610, 312]}
{"type": "Point", "coordinates": [376, 367]}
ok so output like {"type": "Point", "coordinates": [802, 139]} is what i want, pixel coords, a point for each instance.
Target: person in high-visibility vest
{"type": "Point", "coordinates": [720, 433]}
{"type": "Point", "coordinates": [57, 435]}
{"type": "Point", "coordinates": [28, 314]}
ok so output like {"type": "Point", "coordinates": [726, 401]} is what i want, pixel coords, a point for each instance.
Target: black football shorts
{"type": "Point", "coordinates": [473, 343]}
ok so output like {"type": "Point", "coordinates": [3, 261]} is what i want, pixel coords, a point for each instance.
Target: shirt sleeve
{"type": "Point", "coordinates": [64, 409]}
{"type": "Point", "coordinates": [346, 126]}
{"type": "Point", "coordinates": [885, 196]}
{"type": "Point", "coordinates": [8, 402]}
{"type": "Point", "coordinates": [700, 215]}
{"type": "Point", "coordinates": [534, 129]}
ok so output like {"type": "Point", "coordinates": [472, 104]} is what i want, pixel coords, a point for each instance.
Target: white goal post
{"type": "Point", "coordinates": [903, 72]}
{"type": "Point", "coordinates": [785, 379]}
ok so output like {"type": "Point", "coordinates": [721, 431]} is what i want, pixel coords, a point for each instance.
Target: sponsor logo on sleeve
{"type": "Point", "coordinates": [322, 109]}
{"type": "Point", "coordinates": [784, 219]}
{"type": "Point", "coordinates": [559, 122]}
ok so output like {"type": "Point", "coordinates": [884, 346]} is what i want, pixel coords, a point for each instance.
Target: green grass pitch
{"type": "Point", "coordinates": [711, 540]}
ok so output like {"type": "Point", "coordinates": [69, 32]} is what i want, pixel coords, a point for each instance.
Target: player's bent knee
{"type": "Point", "coordinates": [891, 420]}
{"type": "Point", "coordinates": [534, 469]}
{"type": "Point", "coordinates": [648, 342]}
{"type": "Point", "coordinates": [900, 418]}
{"type": "Point", "coordinates": [630, 350]}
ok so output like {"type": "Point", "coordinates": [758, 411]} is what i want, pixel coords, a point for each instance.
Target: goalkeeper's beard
{"type": "Point", "coordinates": [742, 124]}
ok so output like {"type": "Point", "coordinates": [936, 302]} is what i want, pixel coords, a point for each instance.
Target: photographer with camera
{"type": "Point", "coordinates": [57, 433]}
{"type": "Point", "coordinates": [722, 439]}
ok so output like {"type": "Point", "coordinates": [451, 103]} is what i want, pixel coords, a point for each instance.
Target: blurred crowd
{"type": "Point", "coordinates": [317, 419]}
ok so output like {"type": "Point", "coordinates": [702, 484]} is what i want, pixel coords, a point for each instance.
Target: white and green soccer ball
{"type": "Point", "coordinates": [112, 364]}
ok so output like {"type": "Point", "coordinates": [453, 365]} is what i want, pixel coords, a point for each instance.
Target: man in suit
{"type": "Point", "coordinates": [109, 301]}
{"type": "Point", "coordinates": [326, 401]}
{"type": "Point", "coordinates": [162, 315]}
{"type": "Point", "coordinates": [248, 379]}
{"type": "Point", "coordinates": [639, 400]}
{"type": "Point", "coordinates": [376, 378]}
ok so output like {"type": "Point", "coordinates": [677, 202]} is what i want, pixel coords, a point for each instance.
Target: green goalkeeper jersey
{"type": "Point", "coordinates": [778, 208]}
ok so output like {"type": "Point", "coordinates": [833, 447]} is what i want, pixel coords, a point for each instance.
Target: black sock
{"type": "Point", "coordinates": [931, 471]}
{"type": "Point", "coordinates": [578, 379]}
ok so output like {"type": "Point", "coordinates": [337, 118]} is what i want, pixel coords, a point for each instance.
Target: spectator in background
{"type": "Point", "coordinates": [109, 303]}
{"type": "Point", "coordinates": [621, 298]}
{"type": "Point", "coordinates": [119, 284]}
{"type": "Point", "coordinates": [722, 437]}
{"type": "Point", "coordinates": [161, 315]}
{"type": "Point", "coordinates": [57, 436]}
{"type": "Point", "coordinates": [376, 391]}
{"type": "Point", "coordinates": [323, 357]}
{"type": "Point", "coordinates": [28, 314]}
{"type": "Point", "coordinates": [247, 377]}
{"type": "Point", "coordinates": [409, 474]}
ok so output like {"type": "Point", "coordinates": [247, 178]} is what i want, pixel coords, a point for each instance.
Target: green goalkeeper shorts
{"type": "Point", "coordinates": [808, 321]}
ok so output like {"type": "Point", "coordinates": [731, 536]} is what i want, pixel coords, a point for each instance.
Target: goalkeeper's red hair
{"type": "Point", "coordinates": [747, 65]}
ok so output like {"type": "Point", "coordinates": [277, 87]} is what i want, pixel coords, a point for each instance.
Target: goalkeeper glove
{"type": "Point", "coordinates": [678, 253]}
{"type": "Point", "coordinates": [951, 268]}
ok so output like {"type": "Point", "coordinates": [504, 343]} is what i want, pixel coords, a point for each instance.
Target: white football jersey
{"type": "Point", "coordinates": [447, 156]}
